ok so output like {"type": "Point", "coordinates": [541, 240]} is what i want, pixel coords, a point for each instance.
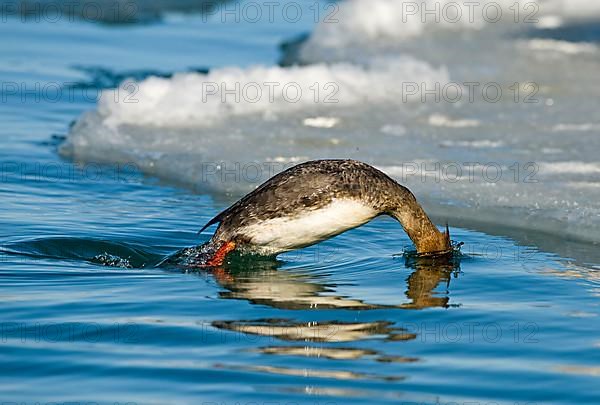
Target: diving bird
{"type": "Point", "coordinates": [314, 201]}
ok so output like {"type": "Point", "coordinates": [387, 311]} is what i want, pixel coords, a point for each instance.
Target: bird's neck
{"type": "Point", "coordinates": [424, 234]}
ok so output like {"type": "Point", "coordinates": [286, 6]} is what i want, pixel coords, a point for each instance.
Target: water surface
{"type": "Point", "coordinates": [86, 315]}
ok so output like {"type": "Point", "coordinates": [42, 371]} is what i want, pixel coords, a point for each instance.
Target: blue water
{"type": "Point", "coordinates": [86, 317]}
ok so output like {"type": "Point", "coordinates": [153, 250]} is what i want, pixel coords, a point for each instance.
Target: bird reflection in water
{"type": "Point", "coordinates": [427, 274]}
{"type": "Point", "coordinates": [259, 281]}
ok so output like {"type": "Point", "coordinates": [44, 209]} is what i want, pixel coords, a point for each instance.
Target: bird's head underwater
{"type": "Point", "coordinates": [436, 244]}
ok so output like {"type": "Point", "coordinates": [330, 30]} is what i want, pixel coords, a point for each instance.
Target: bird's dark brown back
{"type": "Point", "coordinates": [310, 185]}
